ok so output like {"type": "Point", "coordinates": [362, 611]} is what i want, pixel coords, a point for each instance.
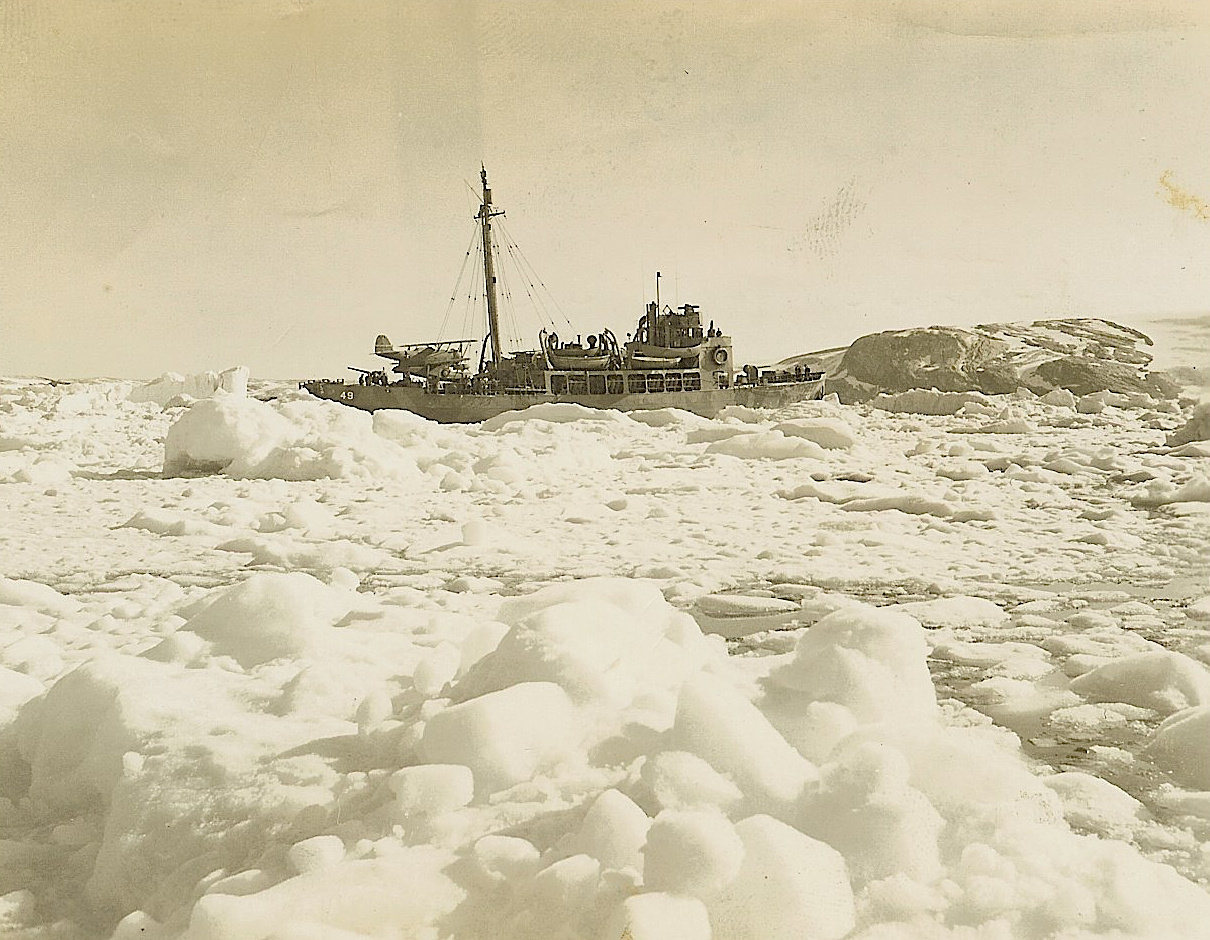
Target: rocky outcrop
{"type": "Point", "coordinates": [1083, 356]}
{"type": "Point", "coordinates": [948, 359]}
{"type": "Point", "coordinates": [1086, 376]}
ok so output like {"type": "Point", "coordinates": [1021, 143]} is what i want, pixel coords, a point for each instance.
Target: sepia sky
{"type": "Point", "coordinates": [273, 182]}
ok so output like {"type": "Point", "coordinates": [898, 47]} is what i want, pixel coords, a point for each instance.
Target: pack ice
{"type": "Point", "coordinates": [930, 666]}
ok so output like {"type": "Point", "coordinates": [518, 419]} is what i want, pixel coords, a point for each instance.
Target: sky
{"type": "Point", "coordinates": [190, 186]}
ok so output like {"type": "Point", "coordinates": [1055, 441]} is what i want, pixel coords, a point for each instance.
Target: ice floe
{"type": "Point", "coordinates": [262, 663]}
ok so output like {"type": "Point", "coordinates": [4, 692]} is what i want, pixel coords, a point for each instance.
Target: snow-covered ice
{"type": "Point", "coordinates": [931, 666]}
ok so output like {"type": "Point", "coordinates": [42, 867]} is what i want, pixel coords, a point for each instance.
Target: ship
{"type": "Point", "coordinates": [672, 360]}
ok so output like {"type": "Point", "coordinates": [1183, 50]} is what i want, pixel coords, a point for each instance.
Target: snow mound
{"type": "Point", "coordinates": [694, 852]}
{"type": "Point", "coordinates": [766, 445]}
{"type": "Point", "coordinates": [680, 780]}
{"type": "Point", "coordinates": [39, 469]}
{"type": "Point", "coordinates": [1060, 398]}
{"type": "Point", "coordinates": [555, 413]}
{"type": "Point", "coordinates": [956, 612]}
{"type": "Point", "coordinates": [172, 385]}
{"type": "Point", "coordinates": [927, 401]}
{"type": "Point", "coordinates": [914, 504]}
{"type": "Point", "coordinates": [347, 901]}
{"type": "Point", "coordinates": [298, 440]}
{"type": "Point", "coordinates": [1164, 492]}
{"type": "Point", "coordinates": [789, 886]}
{"type": "Point", "coordinates": [613, 832]}
{"type": "Point", "coordinates": [721, 725]}
{"type": "Point", "coordinates": [1093, 804]}
{"type": "Point", "coordinates": [866, 807]}
{"type": "Point", "coordinates": [606, 642]}
{"type": "Point", "coordinates": [660, 916]}
{"type": "Point", "coordinates": [831, 433]}
{"type": "Point", "coordinates": [18, 592]}
{"type": "Point", "coordinates": [1162, 680]}
{"type": "Point", "coordinates": [1197, 428]}
{"type": "Point", "coordinates": [870, 661]}
{"type": "Point", "coordinates": [742, 414]}
{"type": "Point", "coordinates": [668, 417]}
{"type": "Point", "coordinates": [1182, 744]}
{"type": "Point", "coordinates": [505, 737]}
{"type": "Point", "coordinates": [270, 616]}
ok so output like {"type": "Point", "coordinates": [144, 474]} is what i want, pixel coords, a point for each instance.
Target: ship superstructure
{"type": "Point", "coordinates": [672, 360]}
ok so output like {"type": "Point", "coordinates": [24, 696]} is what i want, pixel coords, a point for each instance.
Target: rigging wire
{"type": "Point", "coordinates": [469, 314]}
{"type": "Point", "coordinates": [475, 194]}
{"type": "Point", "coordinates": [540, 297]}
{"type": "Point", "coordinates": [531, 275]}
{"type": "Point", "coordinates": [535, 300]}
{"type": "Point", "coordinates": [502, 280]}
{"type": "Point", "coordinates": [454, 296]}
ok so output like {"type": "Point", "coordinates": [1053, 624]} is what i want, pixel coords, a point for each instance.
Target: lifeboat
{"type": "Point", "coordinates": [597, 356]}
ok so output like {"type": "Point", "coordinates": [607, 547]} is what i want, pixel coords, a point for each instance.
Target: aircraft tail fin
{"type": "Point", "coordinates": [382, 344]}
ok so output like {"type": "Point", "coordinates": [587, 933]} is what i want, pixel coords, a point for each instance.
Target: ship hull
{"type": "Point", "coordinates": [456, 408]}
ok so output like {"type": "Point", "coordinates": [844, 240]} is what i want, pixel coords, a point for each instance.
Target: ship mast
{"type": "Point", "coordinates": [489, 272]}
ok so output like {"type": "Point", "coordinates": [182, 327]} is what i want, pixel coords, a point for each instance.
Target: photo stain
{"type": "Point", "coordinates": [1179, 199]}
{"type": "Point", "coordinates": [824, 232]}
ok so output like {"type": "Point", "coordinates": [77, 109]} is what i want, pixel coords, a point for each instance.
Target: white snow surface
{"type": "Point", "coordinates": [929, 667]}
